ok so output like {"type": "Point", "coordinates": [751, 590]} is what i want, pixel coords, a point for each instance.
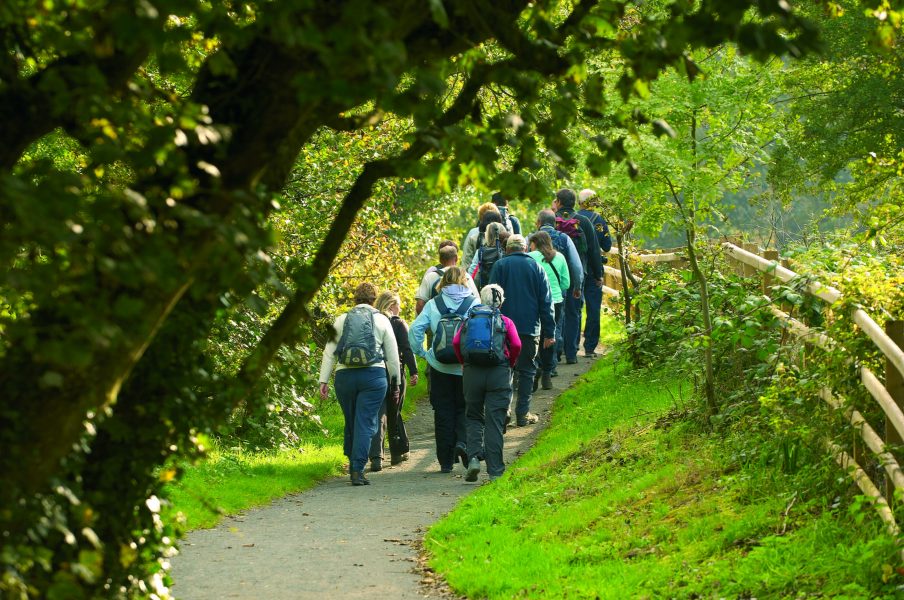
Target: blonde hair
{"type": "Point", "coordinates": [385, 300]}
{"type": "Point", "coordinates": [485, 208]}
{"type": "Point", "coordinates": [453, 276]}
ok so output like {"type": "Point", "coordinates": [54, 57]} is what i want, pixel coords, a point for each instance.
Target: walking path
{"type": "Point", "coordinates": [339, 541]}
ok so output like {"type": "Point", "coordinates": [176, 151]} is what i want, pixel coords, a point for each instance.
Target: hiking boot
{"type": "Point", "coordinates": [398, 458]}
{"type": "Point", "coordinates": [358, 478]}
{"type": "Point", "coordinates": [528, 419]}
{"type": "Point", "coordinates": [461, 453]}
{"type": "Point", "coordinates": [554, 373]}
{"type": "Point", "coordinates": [376, 464]}
{"type": "Point", "coordinates": [445, 469]}
{"type": "Point", "coordinates": [547, 381]}
{"type": "Point", "coordinates": [571, 361]}
{"type": "Point", "coordinates": [590, 354]}
{"type": "Point", "coordinates": [473, 470]}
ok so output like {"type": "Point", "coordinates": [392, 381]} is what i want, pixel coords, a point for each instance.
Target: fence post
{"type": "Point", "coordinates": [747, 270]}
{"type": "Point", "coordinates": [894, 383]}
{"type": "Point", "coordinates": [768, 279]}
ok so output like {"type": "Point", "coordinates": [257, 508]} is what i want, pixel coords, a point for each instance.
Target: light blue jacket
{"type": "Point", "coordinates": [429, 319]}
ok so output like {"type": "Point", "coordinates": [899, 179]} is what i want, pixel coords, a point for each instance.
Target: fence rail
{"type": "Point", "coordinates": [889, 396]}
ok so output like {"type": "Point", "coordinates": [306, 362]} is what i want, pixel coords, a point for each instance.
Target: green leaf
{"type": "Point", "coordinates": [438, 12]}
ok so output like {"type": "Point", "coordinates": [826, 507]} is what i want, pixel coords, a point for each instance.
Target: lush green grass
{"type": "Point", "coordinates": [229, 480]}
{"type": "Point", "coordinates": [622, 497]}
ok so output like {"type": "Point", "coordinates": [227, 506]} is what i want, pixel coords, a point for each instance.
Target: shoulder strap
{"type": "Point", "coordinates": [554, 270]}
{"type": "Point", "coordinates": [440, 305]}
{"type": "Point", "coordinates": [465, 305]}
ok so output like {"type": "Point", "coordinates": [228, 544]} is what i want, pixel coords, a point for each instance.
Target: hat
{"type": "Point", "coordinates": [516, 241]}
{"type": "Point", "coordinates": [585, 195]}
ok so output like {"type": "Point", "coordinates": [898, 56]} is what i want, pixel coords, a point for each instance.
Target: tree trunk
{"type": "Point", "coordinates": [708, 383]}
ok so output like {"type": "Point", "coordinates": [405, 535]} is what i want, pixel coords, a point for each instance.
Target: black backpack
{"type": "Point", "coordinates": [449, 323]}
{"type": "Point", "coordinates": [357, 345]}
{"type": "Point", "coordinates": [486, 258]}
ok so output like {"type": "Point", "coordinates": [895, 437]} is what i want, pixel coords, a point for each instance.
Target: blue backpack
{"type": "Point", "coordinates": [449, 322]}
{"type": "Point", "coordinates": [483, 337]}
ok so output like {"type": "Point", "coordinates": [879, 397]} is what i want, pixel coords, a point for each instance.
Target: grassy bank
{"type": "Point", "coordinates": [624, 497]}
{"type": "Point", "coordinates": [229, 480]}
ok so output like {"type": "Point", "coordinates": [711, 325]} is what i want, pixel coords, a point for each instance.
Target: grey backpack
{"type": "Point", "coordinates": [357, 345]}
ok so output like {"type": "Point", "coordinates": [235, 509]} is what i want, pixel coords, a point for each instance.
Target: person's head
{"type": "Point", "coordinates": [445, 243]}
{"type": "Point", "coordinates": [565, 199]}
{"type": "Point", "coordinates": [484, 209]}
{"type": "Point", "coordinates": [546, 217]}
{"type": "Point", "coordinates": [453, 276]}
{"type": "Point", "coordinates": [494, 230]}
{"type": "Point", "coordinates": [388, 303]}
{"type": "Point", "coordinates": [515, 243]}
{"type": "Point", "coordinates": [504, 235]}
{"type": "Point", "coordinates": [586, 197]}
{"type": "Point", "coordinates": [540, 240]}
{"type": "Point", "coordinates": [499, 199]}
{"type": "Point", "coordinates": [448, 255]}
{"type": "Point", "coordinates": [492, 295]}
{"type": "Point", "coordinates": [365, 293]}
{"type": "Point", "coordinates": [487, 218]}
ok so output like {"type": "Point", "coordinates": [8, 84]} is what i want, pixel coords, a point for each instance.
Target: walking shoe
{"type": "Point", "coordinates": [554, 373]}
{"type": "Point", "coordinates": [376, 464]}
{"type": "Point", "coordinates": [398, 458]}
{"type": "Point", "coordinates": [547, 381]}
{"type": "Point", "coordinates": [462, 454]}
{"type": "Point", "coordinates": [358, 478]}
{"type": "Point", "coordinates": [445, 469]}
{"type": "Point", "coordinates": [571, 361]}
{"type": "Point", "coordinates": [528, 419]}
{"type": "Point", "coordinates": [473, 470]}
{"type": "Point", "coordinates": [590, 354]}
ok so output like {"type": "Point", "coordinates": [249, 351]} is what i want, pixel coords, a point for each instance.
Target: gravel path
{"type": "Point", "coordinates": [339, 541]}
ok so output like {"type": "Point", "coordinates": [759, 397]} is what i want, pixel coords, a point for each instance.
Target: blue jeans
{"type": "Point", "coordinates": [571, 330]}
{"type": "Point", "coordinates": [593, 295]}
{"type": "Point", "coordinates": [360, 392]}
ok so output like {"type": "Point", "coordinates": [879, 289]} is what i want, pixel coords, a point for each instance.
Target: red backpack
{"type": "Point", "coordinates": [572, 228]}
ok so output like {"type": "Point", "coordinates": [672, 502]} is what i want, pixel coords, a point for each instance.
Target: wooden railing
{"type": "Point", "coordinates": [751, 261]}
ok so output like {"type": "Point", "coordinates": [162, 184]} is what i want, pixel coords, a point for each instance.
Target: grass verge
{"type": "Point", "coordinates": [230, 480]}
{"type": "Point", "coordinates": [623, 497]}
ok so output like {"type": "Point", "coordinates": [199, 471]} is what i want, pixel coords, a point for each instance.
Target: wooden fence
{"type": "Point", "coordinates": [750, 260]}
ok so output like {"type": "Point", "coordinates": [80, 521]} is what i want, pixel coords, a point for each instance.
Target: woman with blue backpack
{"type": "Point", "coordinates": [487, 344]}
{"type": "Point", "coordinates": [442, 316]}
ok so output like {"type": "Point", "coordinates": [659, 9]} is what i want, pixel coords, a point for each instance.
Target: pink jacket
{"type": "Point", "coordinates": [512, 342]}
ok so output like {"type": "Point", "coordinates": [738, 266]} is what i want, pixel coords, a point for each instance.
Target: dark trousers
{"type": "Point", "coordinates": [488, 391]}
{"type": "Point", "coordinates": [360, 392]}
{"type": "Point", "coordinates": [548, 356]}
{"type": "Point", "coordinates": [571, 329]}
{"type": "Point", "coordinates": [448, 402]}
{"type": "Point", "coordinates": [593, 296]}
{"type": "Point", "coordinates": [391, 426]}
{"type": "Point", "coordinates": [525, 369]}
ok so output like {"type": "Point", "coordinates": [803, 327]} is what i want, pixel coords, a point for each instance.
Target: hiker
{"type": "Point", "coordinates": [582, 233]}
{"type": "Point", "coordinates": [488, 252]}
{"type": "Point", "coordinates": [529, 306]}
{"type": "Point", "coordinates": [511, 222]}
{"type": "Point", "coordinates": [488, 346]}
{"type": "Point", "coordinates": [365, 350]}
{"type": "Point", "coordinates": [448, 257]}
{"type": "Point", "coordinates": [593, 290]}
{"type": "Point", "coordinates": [441, 316]}
{"type": "Point", "coordinates": [556, 267]}
{"type": "Point", "coordinates": [391, 422]}
{"type": "Point", "coordinates": [472, 238]}
{"type": "Point", "coordinates": [546, 221]}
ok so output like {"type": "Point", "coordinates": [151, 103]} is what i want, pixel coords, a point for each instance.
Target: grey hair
{"type": "Point", "coordinates": [492, 233]}
{"type": "Point", "coordinates": [492, 295]}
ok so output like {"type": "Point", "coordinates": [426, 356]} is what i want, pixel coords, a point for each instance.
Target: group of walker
{"type": "Point", "coordinates": [492, 330]}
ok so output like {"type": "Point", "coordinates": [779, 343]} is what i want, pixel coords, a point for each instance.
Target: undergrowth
{"type": "Point", "coordinates": [625, 495]}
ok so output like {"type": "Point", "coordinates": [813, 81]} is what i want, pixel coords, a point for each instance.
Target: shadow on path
{"type": "Point", "coordinates": [339, 541]}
